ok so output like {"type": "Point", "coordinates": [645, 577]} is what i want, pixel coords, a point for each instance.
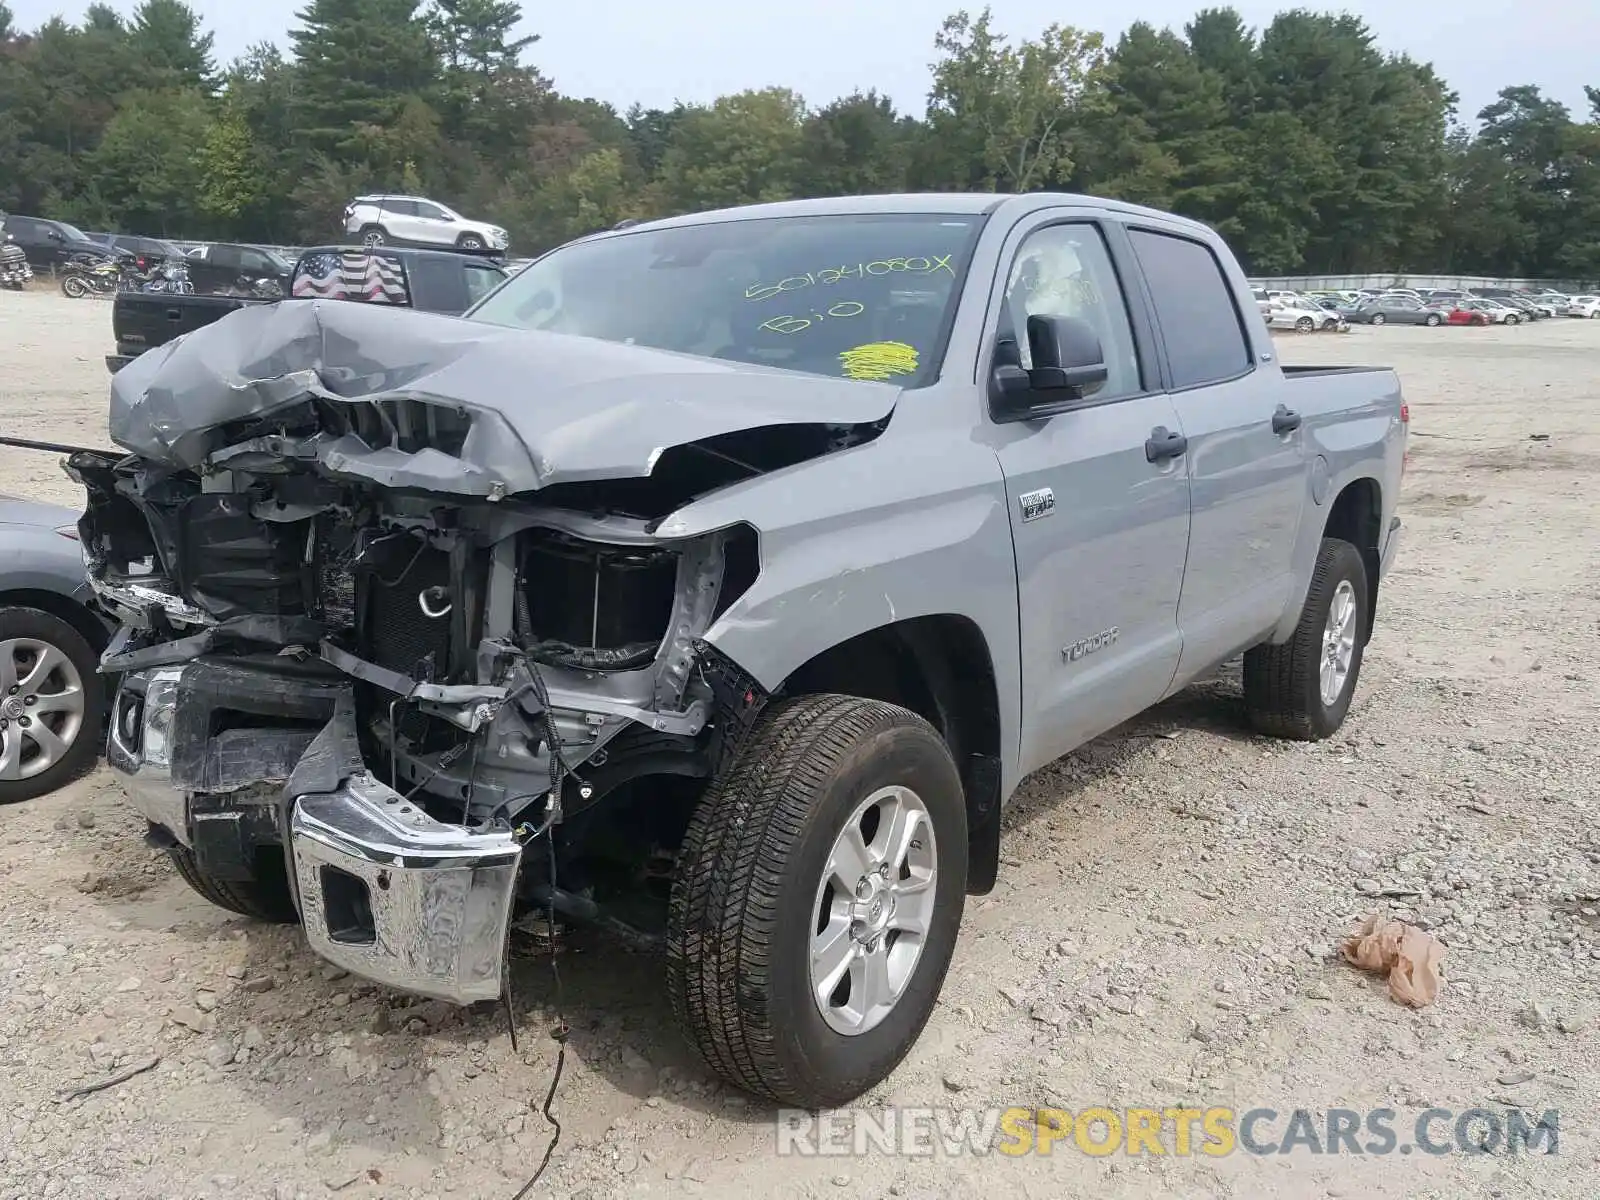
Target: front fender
{"type": "Point", "coordinates": [899, 528]}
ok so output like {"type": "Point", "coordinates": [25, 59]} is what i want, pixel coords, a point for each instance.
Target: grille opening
{"type": "Point", "coordinates": [347, 906]}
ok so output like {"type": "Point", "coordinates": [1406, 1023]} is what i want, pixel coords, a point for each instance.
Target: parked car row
{"type": "Point", "coordinates": [1310, 311]}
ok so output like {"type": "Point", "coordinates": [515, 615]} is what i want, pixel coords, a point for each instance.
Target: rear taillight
{"type": "Point", "coordinates": [1405, 413]}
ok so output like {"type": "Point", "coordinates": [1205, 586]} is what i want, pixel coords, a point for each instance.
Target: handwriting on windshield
{"type": "Point", "coordinates": [879, 361]}
{"type": "Point", "coordinates": [921, 265]}
{"type": "Point", "coordinates": [788, 324]}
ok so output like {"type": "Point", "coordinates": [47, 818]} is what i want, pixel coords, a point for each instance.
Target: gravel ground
{"type": "Point", "coordinates": [1163, 932]}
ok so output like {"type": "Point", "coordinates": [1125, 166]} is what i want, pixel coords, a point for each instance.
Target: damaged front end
{"type": "Point", "coordinates": [378, 634]}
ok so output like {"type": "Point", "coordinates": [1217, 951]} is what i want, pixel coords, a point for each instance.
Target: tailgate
{"type": "Point", "coordinates": [141, 321]}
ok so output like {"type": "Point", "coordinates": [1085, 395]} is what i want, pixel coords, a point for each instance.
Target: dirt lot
{"type": "Point", "coordinates": [1163, 932]}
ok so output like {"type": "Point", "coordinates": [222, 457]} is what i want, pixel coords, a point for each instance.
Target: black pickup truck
{"type": "Point", "coordinates": [431, 280]}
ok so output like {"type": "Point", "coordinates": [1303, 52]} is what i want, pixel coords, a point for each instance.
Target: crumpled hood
{"type": "Point", "coordinates": [546, 407]}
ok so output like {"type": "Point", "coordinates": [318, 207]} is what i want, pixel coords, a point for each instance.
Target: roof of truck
{"type": "Point", "coordinates": [906, 203]}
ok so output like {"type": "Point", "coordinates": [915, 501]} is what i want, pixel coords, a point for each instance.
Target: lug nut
{"type": "Point", "coordinates": [24, 722]}
{"type": "Point", "coordinates": [30, 699]}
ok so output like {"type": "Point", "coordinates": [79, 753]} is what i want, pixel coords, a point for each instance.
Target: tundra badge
{"type": "Point", "coordinates": [1086, 647]}
{"type": "Point", "coordinates": [1036, 504]}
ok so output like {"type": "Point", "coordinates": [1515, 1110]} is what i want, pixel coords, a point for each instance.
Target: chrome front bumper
{"type": "Point", "coordinates": [385, 891]}
{"type": "Point", "coordinates": [393, 895]}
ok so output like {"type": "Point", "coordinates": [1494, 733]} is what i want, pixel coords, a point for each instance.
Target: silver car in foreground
{"type": "Point", "coordinates": [717, 580]}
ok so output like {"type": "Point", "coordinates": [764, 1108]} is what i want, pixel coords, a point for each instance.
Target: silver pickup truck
{"type": "Point", "coordinates": [717, 580]}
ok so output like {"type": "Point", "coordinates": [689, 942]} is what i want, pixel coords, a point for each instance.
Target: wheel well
{"type": "Point", "coordinates": [938, 667]}
{"type": "Point", "coordinates": [1357, 518]}
{"type": "Point", "coordinates": [64, 607]}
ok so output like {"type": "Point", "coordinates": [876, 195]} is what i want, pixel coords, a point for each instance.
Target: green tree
{"type": "Point", "coordinates": [358, 61]}
{"type": "Point", "coordinates": [855, 146]}
{"type": "Point", "coordinates": [1160, 132]}
{"type": "Point", "coordinates": [146, 169]}
{"type": "Point", "coordinates": [739, 150]}
{"type": "Point", "coordinates": [231, 175]}
{"type": "Point", "coordinates": [167, 37]}
{"type": "Point", "coordinates": [1001, 117]}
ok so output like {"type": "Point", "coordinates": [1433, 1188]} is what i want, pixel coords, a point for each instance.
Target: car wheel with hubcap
{"type": "Point", "coordinates": [1302, 688]}
{"type": "Point", "coordinates": [1305, 325]}
{"type": "Point", "coordinates": [1433, 318]}
{"type": "Point", "coordinates": [818, 894]}
{"type": "Point", "coordinates": [373, 236]}
{"type": "Point", "coordinates": [1377, 318]}
{"type": "Point", "coordinates": [470, 241]}
{"type": "Point", "coordinates": [50, 703]}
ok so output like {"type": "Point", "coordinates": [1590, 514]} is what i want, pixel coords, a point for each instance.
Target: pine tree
{"type": "Point", "coordinates": [359, 61]}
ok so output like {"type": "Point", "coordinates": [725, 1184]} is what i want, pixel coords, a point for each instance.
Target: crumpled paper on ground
{"type": "Point", "coordinates": [1405, 953]}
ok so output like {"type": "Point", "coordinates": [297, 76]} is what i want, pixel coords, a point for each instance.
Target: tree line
{"type": "Point", "coordinates": [1307, 145]}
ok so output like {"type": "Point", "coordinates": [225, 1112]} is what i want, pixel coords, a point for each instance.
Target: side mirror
{"type": "Point", "coordinates": [56, 236]}
{"type": "Point", "coordinates": [1067, 362]}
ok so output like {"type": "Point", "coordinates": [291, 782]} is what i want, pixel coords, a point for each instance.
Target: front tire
{"type": "Point", "coordinates": [1433, 318]}
{"type": "Point", "coordinates": [1377, 319]}
{"type": "Point", "coordinates": [1301, 690]}
{"type": "Point", "coordinates": [266, 897]}
{"type": "Point", "coordinates": [51, 702]}
{"type": "Point", "coordinates": [374, 236]}
{"type": "Point", "coordinates": [818, 895]}
{"type": "Point", "coordinates": [470, 242]}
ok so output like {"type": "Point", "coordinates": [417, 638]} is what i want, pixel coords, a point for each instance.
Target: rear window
{"type": "Point", "coordinates": [1199, 321]}
{"type": "Point", "coordinates": [350, 275]}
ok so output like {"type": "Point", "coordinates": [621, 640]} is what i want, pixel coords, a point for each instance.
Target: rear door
{"type": "Point", "coordinates": [400, 219]}
{"type": "Point", "coordinates": [1246, 462]}
{"type": "Point", "coordinates": [1099, 530]}
{"type": "Point", "coordinates": [432, 226]}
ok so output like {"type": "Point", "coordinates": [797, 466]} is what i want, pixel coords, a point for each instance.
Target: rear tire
{"type": "Point", "coordinates": [757, 909]}
{"type": "Point", "coordinates": [74, 286]}
{"type": "Point", "coordinates": [266, 898]}
{"type": "Point", "coordinates": [1305, 325]}
{"type": "Point", "coordinates": [1286, 687]}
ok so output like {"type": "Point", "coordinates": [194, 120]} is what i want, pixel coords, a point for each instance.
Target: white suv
{"type": "Point", "coordinates": [416, 221]}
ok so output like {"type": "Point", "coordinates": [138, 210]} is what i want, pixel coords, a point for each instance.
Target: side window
{"type": "Point", "coordinates": [225, 258]}
{"type": "Point", "coordinates": [432, 212]}
{"type": "Point", "coordinates": [256, 262]}
{"type": "Point", "coordinates": [400, 208]}
{"type": "Point", "coordinates": [1066, 271]}
{"type": "Point", "coordinates": [1199, 322]}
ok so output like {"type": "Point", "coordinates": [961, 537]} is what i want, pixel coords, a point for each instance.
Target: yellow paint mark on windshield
{"type": "Point", "coordinates": [879, 360]}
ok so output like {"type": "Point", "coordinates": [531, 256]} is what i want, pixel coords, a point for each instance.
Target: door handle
{"type": "Point", "coordinates": [1285, 420]}
{"type": "Point", "coordinates": [1163, 444]}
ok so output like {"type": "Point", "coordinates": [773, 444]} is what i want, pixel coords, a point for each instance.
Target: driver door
{"type": "Point", "coordinates": [1100, 531]}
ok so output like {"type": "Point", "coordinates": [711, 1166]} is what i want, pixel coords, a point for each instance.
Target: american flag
{"type": "Point", "coordinates": [350, 275]}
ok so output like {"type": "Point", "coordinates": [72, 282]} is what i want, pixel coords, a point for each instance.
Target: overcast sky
{"type": "Point", "coordinates": [645, 50]}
